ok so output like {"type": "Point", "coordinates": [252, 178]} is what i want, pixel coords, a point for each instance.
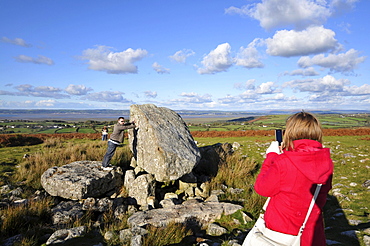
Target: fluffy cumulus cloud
{"type": "Point", "coordinates": [280, 13]}
{"type": "Point", "coordinates": [77, 90]}
{"type": "Point", "coordinates": [218, 60]}
{"type": "Point", "coordinates": [313, 40]}
{"type": "Point", "coordinates": [249, 57]}
{"type": "Point", "coordinates": [325, 84]}
{"type": "Point", "coordinates": [107, 96]}
{"type": "Point", "coordinates": [358, 90]}
{"type": "Point", "coordinates": [181, 55]}
{"type": "Point", "coordinates": [265, 88]}
{"type": "Point", "coordinates": [16, 41]}
{"type": "Point", "coordinates": [103, 59]}
{"type": "Point", "coordinates": [251, 90]}
{"type": "Point", "coordinates": [39, 60]}
{"type": "Point", "coordinates": [344, 62]}
{"type": "Point", "coordinates": [160, 69]}
{"type": "Point", "coordinates": [259, 95]}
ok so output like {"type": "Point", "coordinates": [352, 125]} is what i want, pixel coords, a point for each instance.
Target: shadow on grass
{"type": "Point", "coordinates": [338, 229]}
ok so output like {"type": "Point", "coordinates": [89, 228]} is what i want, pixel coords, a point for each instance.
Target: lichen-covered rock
{"type": "Point", "coordinates": [80, 180]}
{"type": "Point", "coordinates": [63, 235]}
{"type": "Point", "coordinates": [205, 213]}
{"type": "Point", "coordinates": [162, 144]}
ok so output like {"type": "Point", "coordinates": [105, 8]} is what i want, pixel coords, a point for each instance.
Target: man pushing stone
{"type": "Point", "coordinates": [116, 139]}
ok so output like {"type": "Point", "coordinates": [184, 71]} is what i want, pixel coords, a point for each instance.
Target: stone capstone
{"type": "Point", "coordinates": [161, 143]}
{"type": "Point", "coordinates": [79, 180]}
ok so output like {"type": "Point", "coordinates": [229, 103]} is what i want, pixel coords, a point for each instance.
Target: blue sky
{"type": "Point", "coordinates": [195, 54]}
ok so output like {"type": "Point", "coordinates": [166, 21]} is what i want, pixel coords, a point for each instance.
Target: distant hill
{"type": "Point", "coordinates": [242, 119]}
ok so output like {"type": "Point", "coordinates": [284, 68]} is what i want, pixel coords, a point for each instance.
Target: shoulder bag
{"type": "Point", "coordinates": [260, 235]}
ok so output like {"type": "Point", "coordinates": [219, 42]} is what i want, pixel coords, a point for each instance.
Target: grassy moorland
{"type": "Point", "coordinates": [346, 213]}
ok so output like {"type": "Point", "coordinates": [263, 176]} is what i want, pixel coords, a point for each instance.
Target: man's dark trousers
{"type": "Point", "coordinates": [109, 154]}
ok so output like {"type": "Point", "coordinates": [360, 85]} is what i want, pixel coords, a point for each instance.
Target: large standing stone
{"type": "Point", "coordinates": [80, 180]}
{"type": "Point", "coordinates": [162, 144]}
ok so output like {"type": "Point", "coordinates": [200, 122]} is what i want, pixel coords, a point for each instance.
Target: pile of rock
{"type": "Point", "coordinates": [165, 155]}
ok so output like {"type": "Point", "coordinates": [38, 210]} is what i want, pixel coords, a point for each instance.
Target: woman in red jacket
{"type": "Point", "coordinates": [290, 179]}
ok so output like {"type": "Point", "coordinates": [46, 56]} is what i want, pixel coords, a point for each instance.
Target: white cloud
{"type": "Point", "coordinates": [181, 55]}
{"type": "Point", "coordinates": [280, 13]}
{"type": "Point", "coordinates": [250, 94]}
{"type": "Point", "coordinates": [313, 40]}
{"type": "Point", "coordinates": [77, 89]}
{"type": "Point", "coordinates": [45, 103]}
{"type": "Point", "coordinates": [39, 60]}
{"type": "Point", "coordinates": [107, 96]}
{"type": "Point", "coordinates": [249, 57]}
{"type": "Point", "coordinates": [25, 87]}
{"type": "Point", "coordinates": [8, 93]}
{"type": "Point", "coordinates": [279, 96]}
{"type": "Point", "coordinates": [358, 90]}
{"type": "Point", "coordinates": [160, 69]}
{"type": "Point", "coordinates": [344, 63]}
{"type": "Point", "coordinates": [265, 88]}
{"type": "Point", "coordinates": [39, 91]}
{"type": "Point", "coordinates": [102, 59]}
{"type": "Point", "coordinates": [253, 94]}
{"type": "Point", "coordinates": [310, 71]}
{"type": "Point", "coordinates": [327, 84]}
{"type": "Point", "coordinates": [248, 85]}
{"type": "Point", "coordinates": [218, 60]}
{"type": "Point", "coordinates": [229, 100]}
{"type": "Point", "coordinates": [150, 94]}
{"type": "Point", "coordinates": [193, 98]}
{"type": "Point", "coordinates": [47, 89]}
{"type": "Point", "coordinates": [16, 41]}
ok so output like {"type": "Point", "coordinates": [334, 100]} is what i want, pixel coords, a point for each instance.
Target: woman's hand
{"type": "Point", "coordinates": [274, 147]}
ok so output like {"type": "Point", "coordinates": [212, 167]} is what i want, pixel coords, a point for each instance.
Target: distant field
{"type": "Point", "coordinates": [220, 123]}
{"type": "Point", "coordinates": [270, 122]}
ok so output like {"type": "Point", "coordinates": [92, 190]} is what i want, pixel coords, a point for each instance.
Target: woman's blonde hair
{"type": "Point", "coordinates": [301, 125]}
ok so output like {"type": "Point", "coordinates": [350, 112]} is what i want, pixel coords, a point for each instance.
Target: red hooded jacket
{"type": "Point", "coordinates": [290, 180]}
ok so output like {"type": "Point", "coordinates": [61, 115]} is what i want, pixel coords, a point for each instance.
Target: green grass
{"type": "Point", "coordinates": [351, 159]}
{"type": "Point", "coordinates": [349, 153]}
{"type": "Point", "coordinates": [351, 170]}
{"type": "Point", "coordinates": [270, 122]}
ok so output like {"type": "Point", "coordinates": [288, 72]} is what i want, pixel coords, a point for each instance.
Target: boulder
{"type": "Point", "coordinates": [205, 213]}
{"type": "Point", "coordinates": [79, 180]}
{"type": "Point", "coordinates": [63, 235]}
{"type": "Point", "coordinates": [216, 230]}
{"type": "Point", "coordinates": [141, 188]}
{"type": "Point", "coordinates": [66, 212]}
{"type": "Point", "coordinates": [162, 144]}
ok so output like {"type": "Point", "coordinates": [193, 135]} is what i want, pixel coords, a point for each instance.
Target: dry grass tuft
{"type": "Point", "coordinates": [19, 219]}
{"type": "Point", "coordinates": [173, 233]}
